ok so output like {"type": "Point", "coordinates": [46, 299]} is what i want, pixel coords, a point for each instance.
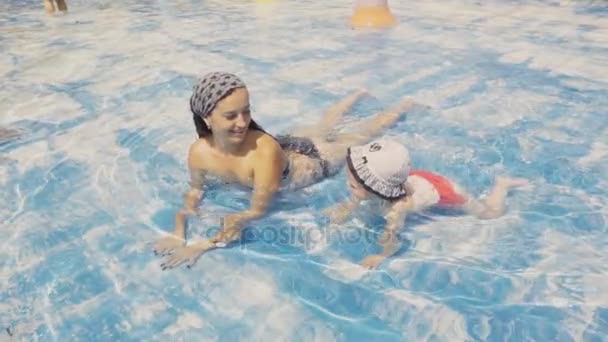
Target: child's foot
{"type": "Point", "coordinates": [510, 183]}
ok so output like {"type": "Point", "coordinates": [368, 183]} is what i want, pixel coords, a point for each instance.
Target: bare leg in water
{"type": "Point", "coordinates": [325, 130]}
{"type": "Point", "coordinates": [332, 145]}
{"type": "Point", "coordinates": [334, 150]}
{"type": "Point", "coordinates": [49, 6]}
{"type": "Point", "coordinates": [61, 5]}
{"type": "Point", "coordinates": [493, 205]}
{"type": "Point", "coordinates": [331, 118]}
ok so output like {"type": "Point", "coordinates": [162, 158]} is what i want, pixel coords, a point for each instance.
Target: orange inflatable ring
{"type": "Point", "coordinates": [372, 14]}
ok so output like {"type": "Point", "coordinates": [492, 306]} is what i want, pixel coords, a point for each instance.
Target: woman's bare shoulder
{"type": "Point", "coordinates": [264, 143]}
{"type": "Point", "coordinates": [198, 153]}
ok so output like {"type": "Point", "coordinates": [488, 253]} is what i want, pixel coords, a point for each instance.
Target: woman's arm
{"type": "Point", "coordinates": [267, 175]}
{"type": "Point", "coordinates": [191, 199]}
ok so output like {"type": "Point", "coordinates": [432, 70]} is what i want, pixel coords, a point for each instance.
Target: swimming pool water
{"type": "Point", "coordinates": [101, 96]}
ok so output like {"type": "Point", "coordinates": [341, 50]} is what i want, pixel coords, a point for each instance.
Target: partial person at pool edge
{"type": "Point", "coordinates": [49, 6]}
{"type": "Point", "coordinates": [9, 134]}
{"type": "Point", "coordinates": [233, 147]}
{"type": "Point", "coordinates": [379, 173]}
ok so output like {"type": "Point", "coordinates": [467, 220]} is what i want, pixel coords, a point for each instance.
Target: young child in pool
{"type": "Point", "coordinates": [380, 172]}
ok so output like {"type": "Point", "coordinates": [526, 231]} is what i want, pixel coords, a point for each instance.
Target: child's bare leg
{"type": "Point", "coordinates": [61, 5]}
{"type": "Point", "coordinates": [493, 206]}
{"type": "Point", "coordinates": [49, 6]}
{"type": "Point", "coordinates": [332, 116]}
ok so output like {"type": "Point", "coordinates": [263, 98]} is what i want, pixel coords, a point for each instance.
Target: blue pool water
{"type": "Point", "coordinates": [101, 96]}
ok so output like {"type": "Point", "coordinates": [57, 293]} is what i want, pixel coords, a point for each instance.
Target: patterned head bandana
{"type": "Point", "coordinates": [381, 166]}
{"type": "Point", "coordinates": [210, 90]}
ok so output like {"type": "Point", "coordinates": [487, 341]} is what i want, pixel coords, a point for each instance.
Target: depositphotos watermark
{"type": "Point", "coordinates": [306, 236]}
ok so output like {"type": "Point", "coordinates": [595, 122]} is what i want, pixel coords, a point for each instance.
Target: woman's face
{"type": "Point", "coordinates": [356, 189]}
{"type": "Point", "coordinates": [230, 118]}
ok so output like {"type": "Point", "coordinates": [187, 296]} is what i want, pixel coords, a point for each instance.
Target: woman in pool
{"type": "Point", "coordinates": [380, 173]}
{"type": "Point", "coordinates": [233, 147]}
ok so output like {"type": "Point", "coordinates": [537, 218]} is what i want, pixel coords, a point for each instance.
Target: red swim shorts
{"type": "Point", "coordinates": [447, 194]}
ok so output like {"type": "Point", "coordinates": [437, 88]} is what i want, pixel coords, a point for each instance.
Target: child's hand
{"type": "Point", "coordinates": [336, 214]}
{"type": "Point", "coordinates": [372, 261]}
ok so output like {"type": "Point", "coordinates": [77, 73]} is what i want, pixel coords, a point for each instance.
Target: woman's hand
{"type": "Point", "coordinates": [167, 244]}
{"type": "Point", "coordinates": [186, 254]}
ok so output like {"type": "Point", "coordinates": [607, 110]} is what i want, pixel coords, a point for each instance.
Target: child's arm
{"type": "Point", "coordinates": [339, 212]}
{"type": "Point", "coordinates": [389, 240]}
{"type": "Point", "coordinates": [267, 175]}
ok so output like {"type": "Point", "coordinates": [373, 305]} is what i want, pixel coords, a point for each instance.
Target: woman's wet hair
{"type": "Point", "coordinates": [203, 130]}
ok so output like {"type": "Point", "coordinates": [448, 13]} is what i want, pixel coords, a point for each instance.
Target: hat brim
{"type": "Point", "coordinates": [357, 164]}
